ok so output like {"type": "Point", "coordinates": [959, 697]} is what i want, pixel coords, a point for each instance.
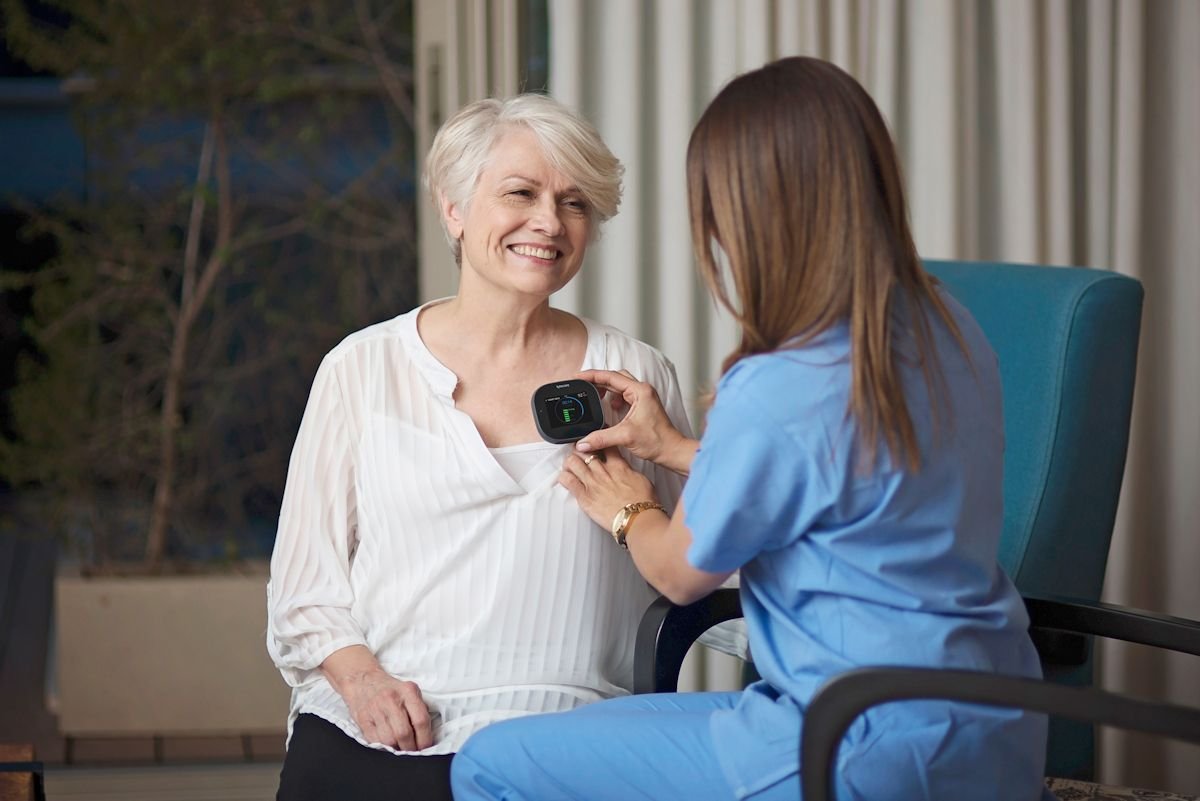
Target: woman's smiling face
{"type": "Point", "coordinates": [526, 227]}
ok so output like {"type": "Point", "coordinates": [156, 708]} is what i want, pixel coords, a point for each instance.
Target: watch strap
{"type": "Point", "coordinates": [624, 519]}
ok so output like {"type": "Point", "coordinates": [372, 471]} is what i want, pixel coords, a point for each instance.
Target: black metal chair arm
{"type": "Point", "coordinates": [667, 632]}
{"type": "Point", "coordinates": [1114, 622]}
{"type": "Point", "coordinates": [844, 697]}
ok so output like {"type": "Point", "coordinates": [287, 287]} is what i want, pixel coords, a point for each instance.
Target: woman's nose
{"type": "Point", "coordinates": [546, 219]}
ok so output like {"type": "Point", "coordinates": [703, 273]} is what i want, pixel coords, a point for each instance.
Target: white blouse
{"type": "Point", "coordinates": [402, 532]}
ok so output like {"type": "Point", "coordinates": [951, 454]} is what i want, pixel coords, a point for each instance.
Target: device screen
{"type": "Point", "coordinates": [568, 410]}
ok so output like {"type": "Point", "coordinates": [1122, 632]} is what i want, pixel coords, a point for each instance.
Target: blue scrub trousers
{"type": "Point", "coordinates": [651, 747]}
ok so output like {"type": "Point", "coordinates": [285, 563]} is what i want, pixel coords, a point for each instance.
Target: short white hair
{"type": "Point", "coordinates": [571, 144]}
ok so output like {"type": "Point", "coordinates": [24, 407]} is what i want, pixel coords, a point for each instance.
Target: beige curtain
{"type": "Point", "coordinates": [1059, 131]}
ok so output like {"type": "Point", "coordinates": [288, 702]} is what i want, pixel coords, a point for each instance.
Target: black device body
{"type": "Point", "coordinates": [567, 411]}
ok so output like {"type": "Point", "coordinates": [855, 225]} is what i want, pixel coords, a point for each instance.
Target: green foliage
{"type": "Point", "coordinates": [88, 310]}
{"type": "Point", "coordinates": [300, 229]}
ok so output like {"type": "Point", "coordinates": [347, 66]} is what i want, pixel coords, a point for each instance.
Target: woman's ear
{"type": "Point", "coordinates": [453, 216]}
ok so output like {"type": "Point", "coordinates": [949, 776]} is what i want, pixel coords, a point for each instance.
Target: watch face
{"type": "Point", "coordinates": [566, 411]}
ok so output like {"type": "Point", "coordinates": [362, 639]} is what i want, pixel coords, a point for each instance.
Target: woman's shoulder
{"type": "Point", "coordinates": [610, 348]}
{"type": "Point", "coordinates": [392, 333]}
{"type": "Point", "coordinates": [804, 391]}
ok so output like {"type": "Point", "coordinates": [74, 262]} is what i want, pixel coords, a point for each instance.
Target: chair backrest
{"type": "Point", "coordinates": [1066, 338]}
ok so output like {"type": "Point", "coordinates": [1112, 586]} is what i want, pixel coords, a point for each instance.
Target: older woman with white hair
{"type": "Point", "coordinates": [430, 575]}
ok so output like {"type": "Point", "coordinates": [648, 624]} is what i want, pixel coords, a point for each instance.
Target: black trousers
{"type": "Point", "coordinates": [323, 764]}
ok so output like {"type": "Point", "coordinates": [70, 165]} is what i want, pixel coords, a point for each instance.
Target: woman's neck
{"type": "Point", "coordinates": [494, 327]}
{"type": "Point", "coordinates": [500, 353]}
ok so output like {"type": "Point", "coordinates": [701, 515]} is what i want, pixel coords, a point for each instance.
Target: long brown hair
{"type": "Point", "coordinates": [792, 175]}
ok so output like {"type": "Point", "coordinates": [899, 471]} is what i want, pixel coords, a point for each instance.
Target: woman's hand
{"type": "Point", "coordinates": [645, 430]}
{"type": "Point", "coordinates": [389, 711]}
{"type": "Point", "coordinates": [603, 486]}
{"type": "Point", "coordinates": [659, 549]}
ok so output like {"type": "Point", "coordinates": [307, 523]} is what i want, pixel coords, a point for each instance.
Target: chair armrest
{"type": "Point", "coordinates": [1115, 622]}
{"type": "Point", "coordinates": [844, 697]}
{"type": "Point", "coordinates": [667, 632]}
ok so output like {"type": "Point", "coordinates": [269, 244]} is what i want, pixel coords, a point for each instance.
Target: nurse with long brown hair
{"type": "Point", "coordinates": [850, 468]}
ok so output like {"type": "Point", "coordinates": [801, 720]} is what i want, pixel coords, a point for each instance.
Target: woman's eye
{"type": "Point", "coordinates": [522, 193]}
{"type": "Point", "coordinates": [576, 205]}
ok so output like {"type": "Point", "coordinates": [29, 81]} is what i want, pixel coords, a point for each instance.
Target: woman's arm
{"type": "Point", "coordinates": [658, 544]}
{"type": "Point", "coordinates": [310, 625]}
{"type": "Point", "coordinates": [309, 597]}
{"type": "Point", "coordinates": [659, 547]}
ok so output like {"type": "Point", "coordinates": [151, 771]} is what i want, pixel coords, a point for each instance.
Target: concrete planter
{"type": "Point", "coordinates": [165, 655]}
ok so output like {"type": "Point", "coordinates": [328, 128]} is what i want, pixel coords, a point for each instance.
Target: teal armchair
{"type": "Point", "coordinates": [1066, 339]}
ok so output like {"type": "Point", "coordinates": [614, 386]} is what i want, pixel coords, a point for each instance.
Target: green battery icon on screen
{"type": "Point", "coordinates": [566, 413]}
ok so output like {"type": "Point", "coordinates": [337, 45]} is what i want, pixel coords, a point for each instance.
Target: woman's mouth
{"type": "Point", "coordinates": [546, 254]}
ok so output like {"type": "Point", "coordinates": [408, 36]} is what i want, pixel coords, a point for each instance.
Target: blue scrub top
{"type": "Point", "coordinates": [845, 565]}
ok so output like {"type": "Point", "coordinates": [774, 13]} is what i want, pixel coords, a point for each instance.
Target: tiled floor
{"type": "Point", "coordinates": [209, 782]}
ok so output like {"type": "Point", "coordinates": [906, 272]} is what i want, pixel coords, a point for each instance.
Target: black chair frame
{"type": "Point", "coordinates": [667, 632]}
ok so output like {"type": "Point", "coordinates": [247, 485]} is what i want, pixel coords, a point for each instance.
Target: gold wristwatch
{"type": "Point", "coordinates": [624, 519]}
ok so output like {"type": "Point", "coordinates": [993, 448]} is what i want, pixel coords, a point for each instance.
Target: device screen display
{"type": "Point", "coordinates": [568, 410]}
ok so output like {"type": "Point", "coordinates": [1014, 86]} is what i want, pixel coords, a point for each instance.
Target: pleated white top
{"type": "Point", "coordinates": [402, 532]}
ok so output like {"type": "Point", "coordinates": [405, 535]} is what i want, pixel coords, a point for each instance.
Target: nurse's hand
{"type": "Point", "coordinates": [645, 430]}
{"type": "Point", "coordinates": [603, 486]}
